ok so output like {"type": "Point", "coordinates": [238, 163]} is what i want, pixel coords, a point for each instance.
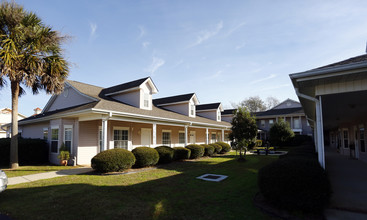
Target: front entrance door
{"type": "Point", "coordinates": [192, 137]}
{"type": "Point", "coordinates": [146, 137]}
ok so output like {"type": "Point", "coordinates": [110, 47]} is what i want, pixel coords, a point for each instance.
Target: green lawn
{"type": "Point", "coordinates": [27, 170]}
{"type": "Point", "coordinates": [169, 192]}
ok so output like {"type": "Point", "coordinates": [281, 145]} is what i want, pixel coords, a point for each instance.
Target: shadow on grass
{"type": "Point", "coordinates": [169, 192]}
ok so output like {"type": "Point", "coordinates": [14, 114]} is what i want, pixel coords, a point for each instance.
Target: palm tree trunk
{"type": "Point", "coordinates": [14, 125]}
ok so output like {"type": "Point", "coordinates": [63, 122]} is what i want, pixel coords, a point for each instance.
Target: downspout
{"type": "Point", "coordinates": [319, 126]}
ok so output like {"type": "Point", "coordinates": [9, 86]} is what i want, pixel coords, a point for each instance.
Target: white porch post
{"type": "Point", "coordinates": [223, 135]}
{"type": "Point", "coordinates": [206, 136]}
{"type": "Point", "coordinates": [315, 135]}
{"type": "Point", "coordinates": [154, 135]}
{"type": "Point", "coordinates": [320, 135]}
{"type": "Point", "coordinates": [104, 134]}
{"type": "Point", "coordinates": [186, 135]}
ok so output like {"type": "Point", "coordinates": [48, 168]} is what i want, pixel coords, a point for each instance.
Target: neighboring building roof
{"type": "Point", "coordinates": [282, 111]}
{"type": "Point", "coordinates": [353, 60]}
{"type": "Point", "coordinates": [208, 106]}
{"type": "Point", "coordinates": [228, 111]}
{"type": "Point", "coordinates": [10, 110]}
{"type": "Point", "coordinates": [106, 104]}
{"type": "Point", "coordinates": [173, 99]}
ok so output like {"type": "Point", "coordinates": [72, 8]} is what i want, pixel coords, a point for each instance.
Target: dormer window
{"type": "Point", "coordinates": [192, 112]}
{"type": "Point", "coordinates": [146, 100]}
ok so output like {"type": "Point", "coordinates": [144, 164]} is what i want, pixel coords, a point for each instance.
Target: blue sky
{"type": "Point", "coordinates": [223, 51]}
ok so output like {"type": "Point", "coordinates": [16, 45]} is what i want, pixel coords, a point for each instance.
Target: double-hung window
{"type": "Point", "coordinates": [181, 137]}
{"type": "Point", "coordinates": [68, 137]}
{"type": "Point", "coordinates": [214, 138]}
{"type": "Point", "coordinates": [45, 134]}
{"type": "Point", "coordinates": [100, 138]}
{"type": "Point", "coordinates": [192, 110]}
{"type": "Point", "coordinates": [166, 138]}
{"type": "Point", "coordinates": [346, 138]}
{"type": "Point", "coordinates": [54, 140]}
{"type": "Point", "coordinates": [121, 138]}
{"type": "Point", "coordinates": [146, 100]}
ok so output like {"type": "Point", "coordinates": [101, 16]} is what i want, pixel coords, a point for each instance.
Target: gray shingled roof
{"type": "Point", "coordinates": [207, 106]}
{"type": "Point", "coordinates": [353, 60]}
{"type": "Point", "coordinates": [228, 111]}
{"type": "Point", "coordinates": [283, 111]}
{"type": "Point", "coordinates": [108, 104]}
{"type": "Point", "coordinates": [173, 99]}
{"type": "Point", "coordinates": [124, 86]}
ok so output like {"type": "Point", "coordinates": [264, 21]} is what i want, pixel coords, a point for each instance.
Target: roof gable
{"type": "Point", "coordinates": [289, 103]}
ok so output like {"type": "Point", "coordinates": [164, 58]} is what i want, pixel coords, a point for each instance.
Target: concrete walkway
{"type": "Point", "coordinates": [348, 179]}
{"type": "Point", "coordinates": [47, 175]}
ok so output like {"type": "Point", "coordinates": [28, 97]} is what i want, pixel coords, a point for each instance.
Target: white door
{"type": "Point", "coordinates": [146, 137]}
{"type": "Point", "coordinates": [192, 137]}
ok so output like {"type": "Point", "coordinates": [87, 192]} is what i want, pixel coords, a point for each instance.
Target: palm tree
{"type": "Point", "coordinates": [30, 56]}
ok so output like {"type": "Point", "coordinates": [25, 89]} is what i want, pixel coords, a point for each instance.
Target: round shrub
{"type": "Point", "coordinates": [181, 153]}
{"type": "Point", "coordinates": [145, 156]}
{"type": "Point", "coordinates": [209, 150]}
{"type": "Point", "coordinates": [165, 154]}
{"type": "Point", "coordinates": [295, 184]}
{"type": "Point", "coordinates": [225, 147]}
{"type": "Point", "coordinates": [113, 160]}
{"type": "Point", "coordinates": [197, 151]}
{"type": "Point", "coordinates": [217, 148]}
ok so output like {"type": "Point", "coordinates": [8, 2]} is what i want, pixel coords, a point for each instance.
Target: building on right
{"type": "Point", "coordinates": [334, 99]}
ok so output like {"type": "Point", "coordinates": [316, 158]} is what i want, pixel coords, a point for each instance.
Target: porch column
{"type": "Point", "coordinates": [206, 136]}
{"type": "Point", "coordinates": [223, 135]}
{"type": "Point", "coordinates": [320, 135]}
{"type": "Point", "coordinates": [186, 135]}
{"type": "Point", "coordinates": [154, 134]}
{"type": "Point", "coordinates": [292, 122]}
{"type": "Point", "coordinates": [104, 134]}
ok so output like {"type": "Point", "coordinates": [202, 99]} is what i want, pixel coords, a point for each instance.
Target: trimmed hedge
{"type": "Point", "coordinates": [209, 150]}
{"type": "Point", "coordinates": [113, 160]}
{"type": "Point", "coordinates": [197, 151]}
{"type": "Point", "coordinates": [145, 156]}
{"type": "Point", "coordinates": [217, 148]}
{"type": "Point", "coordinates": [30, 151]}
{"type": "Point", "coordinates": [165, 154]}
{"type": "Point", "coordinates": [296, 182]}
{"type": "Point", "coordinates": [181, 153]}
{"type": "Point", "coordinates": [225, 147]}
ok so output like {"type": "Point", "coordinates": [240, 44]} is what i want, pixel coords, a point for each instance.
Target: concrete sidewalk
{"type": "Point", "coordinates": [47, 175]}
{"type": "Point", "coordinates": [348, 179]}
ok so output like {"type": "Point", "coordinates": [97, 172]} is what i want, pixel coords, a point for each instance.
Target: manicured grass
{"type": "Point", "coordinates": [169, 192]}
{"type": "Point", "coordinates": [27, 170]}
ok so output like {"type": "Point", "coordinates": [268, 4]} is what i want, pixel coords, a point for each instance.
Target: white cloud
{"type": "Point", "coordinates": [145, 44]}
{"type": "Point", "coordinates": [206, 34]}
{"type": "Point", "coordinates": [235, 28]}
{"type": "Point", "coordinates": [142, 31]}
{"type": "Point", "coordinates": [156, 63]}
{"type": "Point", "coordinates": [93, 29]}
{"type": "Point", "coordinates": [263, 79]}
{"type": "Point", "coordinates": [240, 46]}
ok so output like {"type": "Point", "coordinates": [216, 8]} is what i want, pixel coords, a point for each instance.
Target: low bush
{"type": "Point", "coordinates": [181, 153]}
{"type": "Point", "coordinates": [225, 147]}
{"type": "Point", "coordinates": [197, 151]}
{"type": "Point", "coordinates": [165, 154]}
{"type": "Point", "coordinates": [209, 150]}
{"type": "Point", "coordinates": [145, 156]}
{"type": "Point", "coordinates": [30, 151]}
{"type": "Point", "coordinates": [217, 148]}
{"type": "Point", "coordinates": [113, 160]}
{"type": "Point", "coordinates": [296, 182]}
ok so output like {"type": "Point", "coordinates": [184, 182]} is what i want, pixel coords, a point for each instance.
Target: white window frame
{"type": "Point", "coordinates": [211, 137]}
{"type": "Point", "coordinates": [58, 139]}
{"type": "Point", "coordinates": [170, 137]}
{"type": "Point", "coordinates": [146, 100]}
{"type": "Point", "coordinates": [179, 140]}
{"type": "Point", "coordinates": [192, 109]}
{"type": "Point", "coordinates": [44, 130]}
{"type": "Point", "coordinates": [128, 136]}
{"type": "Point", "coordinates": [271, 122]}
{"type": "Point", "coordinates": [296, 126]}
{"type": "Point", "coordinates": [262, 123]}
{"type": "Point", "coordinates": [72, 133]}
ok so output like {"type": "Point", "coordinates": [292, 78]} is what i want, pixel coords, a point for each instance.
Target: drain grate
{"type": "Point", "coordinates": [212, 177]}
